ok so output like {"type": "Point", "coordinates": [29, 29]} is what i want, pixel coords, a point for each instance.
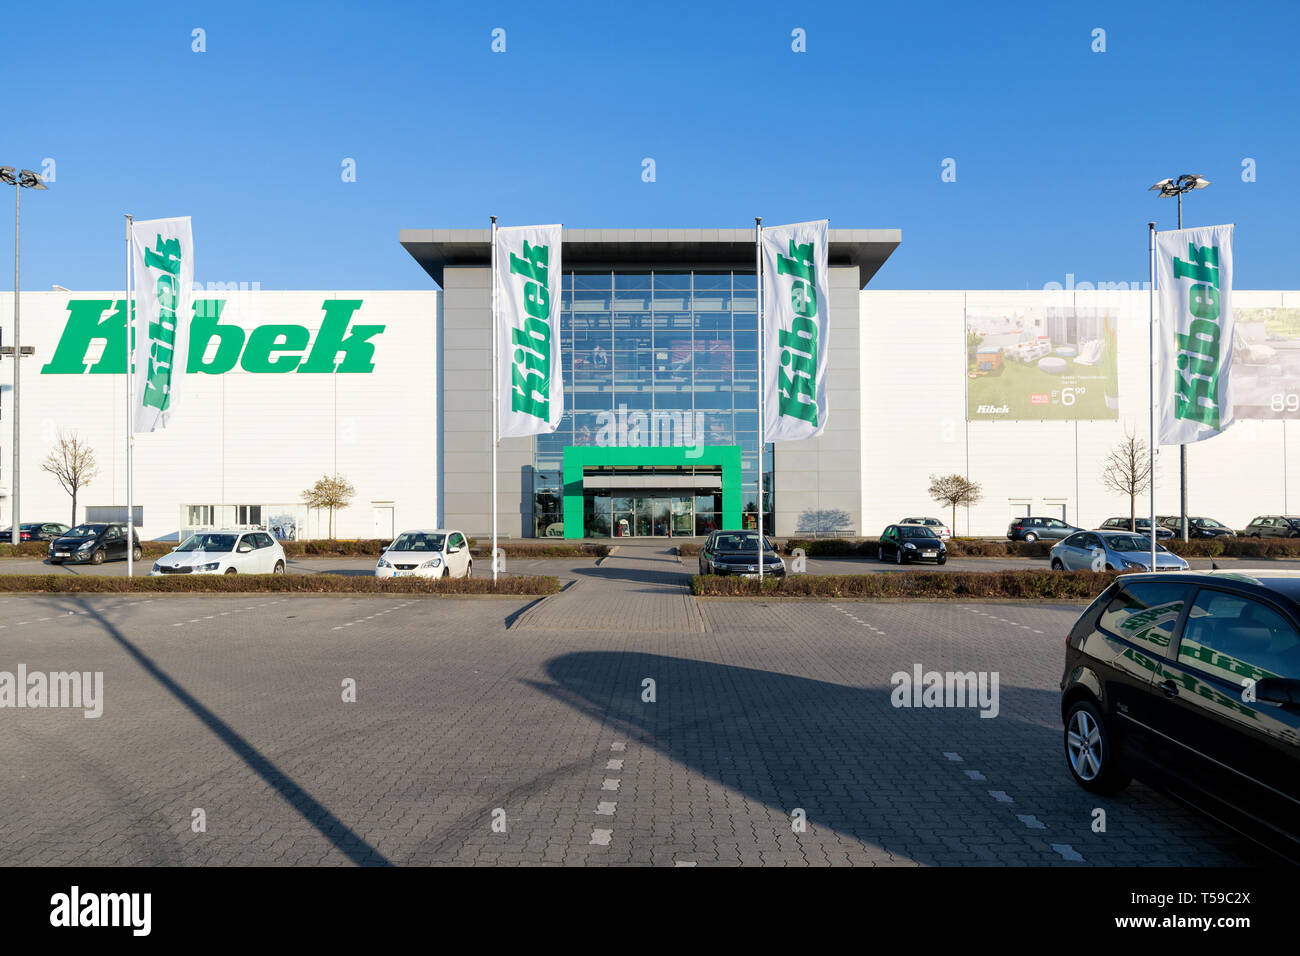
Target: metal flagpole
{"type": "Point", "coordinates": [1151, 376]}
{"type": "Point", "coordinates": [758, 275]}
{"type": "Point", "coordinates": [495, 399]}
{"type": "Point", "coordinates": [130, 438]}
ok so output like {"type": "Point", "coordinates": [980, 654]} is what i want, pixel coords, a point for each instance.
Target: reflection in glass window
{"type": "Point", "coordinates": [1235, 638]}
{"type": "Point", "coordinates": [1145, 613]}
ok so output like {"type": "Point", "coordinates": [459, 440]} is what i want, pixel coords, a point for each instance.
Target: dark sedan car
{"type": "Point", "coordinates": [736, 552]}
{"type": "Point", "coordinates": [1140, 526]}
{"type": "Point", "coordinates": [94, 543]}
{"type": "Point", "coordinates": [1196, 527]}
{"type": "Point", "coordinates": [1190, 681]}
{"type": "Point", "coordinates": [1273, 526]}
{"type": "Point", "coordinates": [35, 531]}
{"type": "Point", "coordinates": [911, 542]}
{"type": "Point", "coordinates": [1035, 529]}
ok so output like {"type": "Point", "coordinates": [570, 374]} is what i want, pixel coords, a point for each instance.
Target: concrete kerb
{"type": "Point", "coordinates": [528, 614]}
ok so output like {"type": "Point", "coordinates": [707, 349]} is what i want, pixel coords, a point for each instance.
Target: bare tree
{"type": "Point", "coordinates": [72, 462]}
{"type": "Point", "coordinates": [332, 492]}
{"type": "Point", "coordinates": [954, 490]}
{"type": "Point", "coordinates": [1128, 472]}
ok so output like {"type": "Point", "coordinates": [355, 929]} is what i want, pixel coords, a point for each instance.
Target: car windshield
{"type": "Point", "coordinates": [209, 542]}
{"type": "Point", "coordinates": [915, 531]}
{"type": "Point", "coordinates": [1130, 542]}
{"type": "Point", "coordinates": [740, 542]}
{"type": "Point", "coordinates": [1207, 523]}
{"type": "Point", "coordinates": [417, 541]}
{"type": "Point", "coordinates": [84, 531]}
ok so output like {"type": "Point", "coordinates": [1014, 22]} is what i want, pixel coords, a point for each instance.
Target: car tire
{"type": "Point", "coordinates": [279, 568]}
{"type": "Point", "coordinates": [1031, 538]}
{"type": "Point", "coordinates": [137, 554]}
{"type": "Point", "coordinates": [446, 572]}
{"type": "Point", "coordinates": [97, 556]}
{"type": "Point", "coordinates": [231, 571]}
{"type": "Point", "coordinates": [469, 570]}
{"type": "Point", "coordinates": [898, 555]}
{"type": "Point", "coordinates": [942, 560]}
{"type": "Point", "coordinates": [702, 571]}
{"type": "Point", "coordinates": [1057, 565]}
{"type": "Point", "coordinates": [1090, 752]}
{"type": "Point", "coordinates": [880, 554]}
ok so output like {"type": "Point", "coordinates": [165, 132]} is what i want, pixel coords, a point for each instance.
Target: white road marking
{"type": "Point", "coordinates": [600, 837]}
{"type": "Point", "coordinates": [606, 808]}
{"type": "Point", "coordinates": [609, 784]}
{"type": "Point", "coordinates": [1031, 821]}
{"type": "Point", "coordinates": [614, 765]}
{"type": "Point", "coordinates": [1000, 796]}
{"type": "Point", "coordinates": [954, 757]}
{"type": "Point", "coordinates": [618, 746]}
{"type": "Point", "coordinates": [975, 775]}
{"type": "Point", "coordinates": [1068, 852]}
{"type": "Point", "coordinates": [677, 863]}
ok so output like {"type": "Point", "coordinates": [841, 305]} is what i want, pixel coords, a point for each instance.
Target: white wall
{"type": "Point", "coordinates": [239, 438]}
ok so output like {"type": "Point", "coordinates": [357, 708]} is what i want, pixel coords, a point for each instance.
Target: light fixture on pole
{"type": "Point", "coordinates": [20, 180]}
{"type": "Point", "coordinates": [1176, 187]}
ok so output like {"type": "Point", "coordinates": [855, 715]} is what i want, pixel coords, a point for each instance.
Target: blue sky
{"type": "Point", "coordinates": [1054, 144]}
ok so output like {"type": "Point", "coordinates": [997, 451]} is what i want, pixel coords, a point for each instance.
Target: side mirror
{"type": "Point", "coordinates": [1278, 690]}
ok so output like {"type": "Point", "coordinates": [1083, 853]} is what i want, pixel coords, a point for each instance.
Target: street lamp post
{"type": "Point", "coordinates": [24, 179]}
{"type": "Point", "coordinates": [1176, 187]}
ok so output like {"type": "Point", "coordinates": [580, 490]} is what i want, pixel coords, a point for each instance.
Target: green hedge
{"type": "Point", "coordinates": [1237, 547]}
{"type": "Point", "coordinates": [362, 547]}
{"type": "Point", "coordinates": [1037, 585]}
{"type": "Point", "coordinates": [275, 583]}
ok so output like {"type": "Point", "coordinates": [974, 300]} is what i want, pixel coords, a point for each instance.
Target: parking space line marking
{"type": "Point", "coordinates": [1000, 796]}
{"type": "Point", "coordinates": [1031, 821]}
{"type": "Point", "coordinates": [954, 757]}
{"type": "Point", "coordinates": [606, 808]}
{"type": "Point", "coordinates": [677, 863]}
{"type": "Point", "coordinates": [618, 746]}
{"type": "Point", "coordinates": [1068, 852]}
{"type": "Point", "coordinates": [613, 765]}
{"type": "Point", "coordinates": [975, 775]}
{"type": "Point", "coordinates": [611, 783]}
{"type": "Point", "coordinates": [600, 837]}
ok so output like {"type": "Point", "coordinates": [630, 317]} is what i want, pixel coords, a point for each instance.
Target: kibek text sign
{"type": "Point", "coordinates": [530, 383]}
{"type": "Point", "coordinates": [338, 346]}
{"type": "Point", "coordinates": [796, 313]}
{"type": "Point", "coordinates": [164, 275]}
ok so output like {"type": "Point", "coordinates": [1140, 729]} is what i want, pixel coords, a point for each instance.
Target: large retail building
{"type": "Point", "coordinates": [1025, 393]}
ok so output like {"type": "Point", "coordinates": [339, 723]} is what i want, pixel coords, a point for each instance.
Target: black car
{"type": "Point", "coordinates": [1190, 681]}
{"type": "Point", "coordinates": [1139, 526]}
{"type": "Point", "coordinates": [1196, 527]}
{"type": "Point", "coordinates": [1273, 526]}
{"type": "Point", "coordinates": [736, 552]}
{"type": "Point", "coordinates": [94, 543]}
{"type": "Point", "coordinates": [1034, 529]}
{"type": "Point", "coordinates": [911, 542]}
{"type": "Point", "coordinates": [35, 531]}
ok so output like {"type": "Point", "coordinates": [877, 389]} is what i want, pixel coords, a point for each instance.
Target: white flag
{"type": "Point", "coordinates": [1194, 283]}
{"type": "Point", "coordinates": [164, 280]}
{"type": "Point", "coordinates": [796, 307]}
{"type": "Point", "coordinates": [528, 345]}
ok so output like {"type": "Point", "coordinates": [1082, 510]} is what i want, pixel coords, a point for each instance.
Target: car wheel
{"type": "Point", "coordinates": [469, 570]}
{"type": "Point", "coordinates": [279, 568]}
{"type": "Point", "coordinates": [1057, 565]}
{"type": "Point", "coordinates": [942, 560]}
{"type": "Point", "coordinates": [1089, 751]}
{"type": "Point", "coordinates": [1031, 537]}
{"type": "Point", "coordinates": [446, 572]}
{"type": "Point", "coordinates": [898, 555]}
{"type": "Point", "coordinates": [230, 571]}
{"type": "Point", "coordinates": [702, 571]}
{"type": "Point", "coordinates": [880, 554]}
{"type": "Point", "coordinates": [97, 557]}
{"type": "Point", "coordinates": [137, 554]}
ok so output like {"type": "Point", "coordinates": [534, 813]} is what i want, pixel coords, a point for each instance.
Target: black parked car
{"type": "Point", "coordinates": [736, 552]}
{"type": "Point", "coordinates": [1034, 529]}
{"type": "Point", "coordinates": [911, 542]}
{"type": "Point", "coordinates": [35, 531]}
{"type": "Point", "coordinates": [1143, 526]}
{"type": "Point", "coordinates": [1190, 681]}
{"type": "Point", "coordinates": [94, 543]}
{"type": "Point", "coordinates": [1273, 526]}
{"type": "Point", "coordinates": [1196, 527]}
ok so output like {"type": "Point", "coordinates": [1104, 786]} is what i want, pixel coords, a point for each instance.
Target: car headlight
{"type": "Point", "coordinates": [209, 567]}
{"type": "Point", "coordinates": [88, 544]}
{"type": "Point", "coordinates": [910, 546]}
{"type": "Point", "coordinates": [1133, 564]}
{"type": "Point", "coordinates": [383, 564]}
{"type": "Point", "coordinates": [432, 563]}
{"type": "Point", "coordinates": [157, 566]}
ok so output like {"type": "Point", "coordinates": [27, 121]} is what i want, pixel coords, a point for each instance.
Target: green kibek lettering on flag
{"type": "Point", "coordinates": [166, 257]}
{"type": "Point", "coordinates": [1197, 397]}
{"type": "Point", "coordinates": [798, 374]}
{"type": "Point", "coordinates": [530, 375]}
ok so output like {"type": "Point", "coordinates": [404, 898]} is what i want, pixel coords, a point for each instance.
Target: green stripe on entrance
{"type": "Point", "coordinates": [578, 457]}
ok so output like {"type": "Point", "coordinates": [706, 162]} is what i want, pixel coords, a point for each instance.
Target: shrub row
{"type": "Point", "coordinates": [1237, 547]}
{"type": "Point", "coordinates": [279, 583]}
{"type": "Point", "coordinates": [353, 548]}
{"type": "Point", "coordinates": [1036, 585]}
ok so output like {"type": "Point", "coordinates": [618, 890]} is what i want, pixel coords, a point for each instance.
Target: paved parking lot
{"type": "Point", "coordinates": [621, 722]}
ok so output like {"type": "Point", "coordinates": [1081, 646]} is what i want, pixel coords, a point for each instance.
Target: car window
{"type": "Point", "coordinates": [1235, 638]}
{"type": "Point", "coordinates": [1089, 541]}
{"type": "Point", "coordinates": [457, 541]}
{"type": "Point", "coordinates": [1145, 613]}
{"type": "Point", "coordinates": [112, 534]}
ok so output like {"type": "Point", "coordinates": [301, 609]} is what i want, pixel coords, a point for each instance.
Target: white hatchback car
{"type": "Point", "coordinates": [426, 554]}
{"type": "Point", "coordinates": [941, 530]}
{"type": "Point", "coordinates": [224, 552]}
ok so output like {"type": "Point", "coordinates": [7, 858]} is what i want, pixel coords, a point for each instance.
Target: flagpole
{"type": "Point", "coordinates": [126, 306]}
{"type": "Point", "coordinates": [495, 399]}
{"type": "Point", "coordinates": [758, 274]}
{"type": "Point", "coordinates": [1151, 376]}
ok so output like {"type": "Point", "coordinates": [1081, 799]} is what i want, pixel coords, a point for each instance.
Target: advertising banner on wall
{"type": "Point", "coordinates": [1194, 295]}
{"type": "Point", "coordinates": [163, 250]}
{"type": "Point", "coordinates": [1266, 363]}
{"type": "Point", "coordinates": [796, 316]}
{"type": "Point", "coordinates": [531, 383]}
{"type": "Point", "coordinates": [1031, 363]}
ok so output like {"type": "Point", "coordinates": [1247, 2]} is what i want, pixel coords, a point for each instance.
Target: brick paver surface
{"type": "Point", "coordinates": [479, 737]}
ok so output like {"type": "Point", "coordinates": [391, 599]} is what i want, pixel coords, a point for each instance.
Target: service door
{"type": "Point", "coordinates": [383, 518]}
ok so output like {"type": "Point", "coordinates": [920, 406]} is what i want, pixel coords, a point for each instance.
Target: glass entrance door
{"type": "Point", "coordinates": [683, 517]}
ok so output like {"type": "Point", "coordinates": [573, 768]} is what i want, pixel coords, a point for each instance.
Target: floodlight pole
{"type": "Point", "coordinates": [758, 291]}
{"type": "Point", "coordinates": [1151, 380]}
{"type": "Point", "coordinates": [15, 535]}
{"type": "Point", "coordinates": [1182, 449]}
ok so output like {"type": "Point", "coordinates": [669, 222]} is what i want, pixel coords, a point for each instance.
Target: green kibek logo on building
{"type": "Point", "coordinates": [1197, 397]}
{"type": "Point", "coordinates": [798, 376]}
{"type": "Point", "coordinates": [266, 349]}
{"type": "Point", "coordinates": [166, 257]}
{"type": "Point", "coordinates": [530, 365]}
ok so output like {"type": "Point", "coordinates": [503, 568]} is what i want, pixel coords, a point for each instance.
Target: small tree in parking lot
{"type": "Point", "coordinates": [331, 492]}
{"type": "Point", "coordinates": [72, 462]}
{"type": "Point", "coordinates": [954, 490]}
{"type": "Point", "coordinates": [1128, 472]}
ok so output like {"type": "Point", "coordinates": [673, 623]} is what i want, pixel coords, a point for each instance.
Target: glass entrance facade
{"type": "Point", "coordinates": [655, 360]}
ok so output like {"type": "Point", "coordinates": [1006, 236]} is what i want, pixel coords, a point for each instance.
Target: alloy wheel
{"type": "Point", "coordinates": [1083, 740]}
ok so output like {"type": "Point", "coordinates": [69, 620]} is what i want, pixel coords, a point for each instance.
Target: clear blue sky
{"type": "Point", "coordinates": [1054, 144]}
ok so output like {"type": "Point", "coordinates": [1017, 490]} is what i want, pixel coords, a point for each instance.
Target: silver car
{"type": "Point", "coordinates": [1112, 551]}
